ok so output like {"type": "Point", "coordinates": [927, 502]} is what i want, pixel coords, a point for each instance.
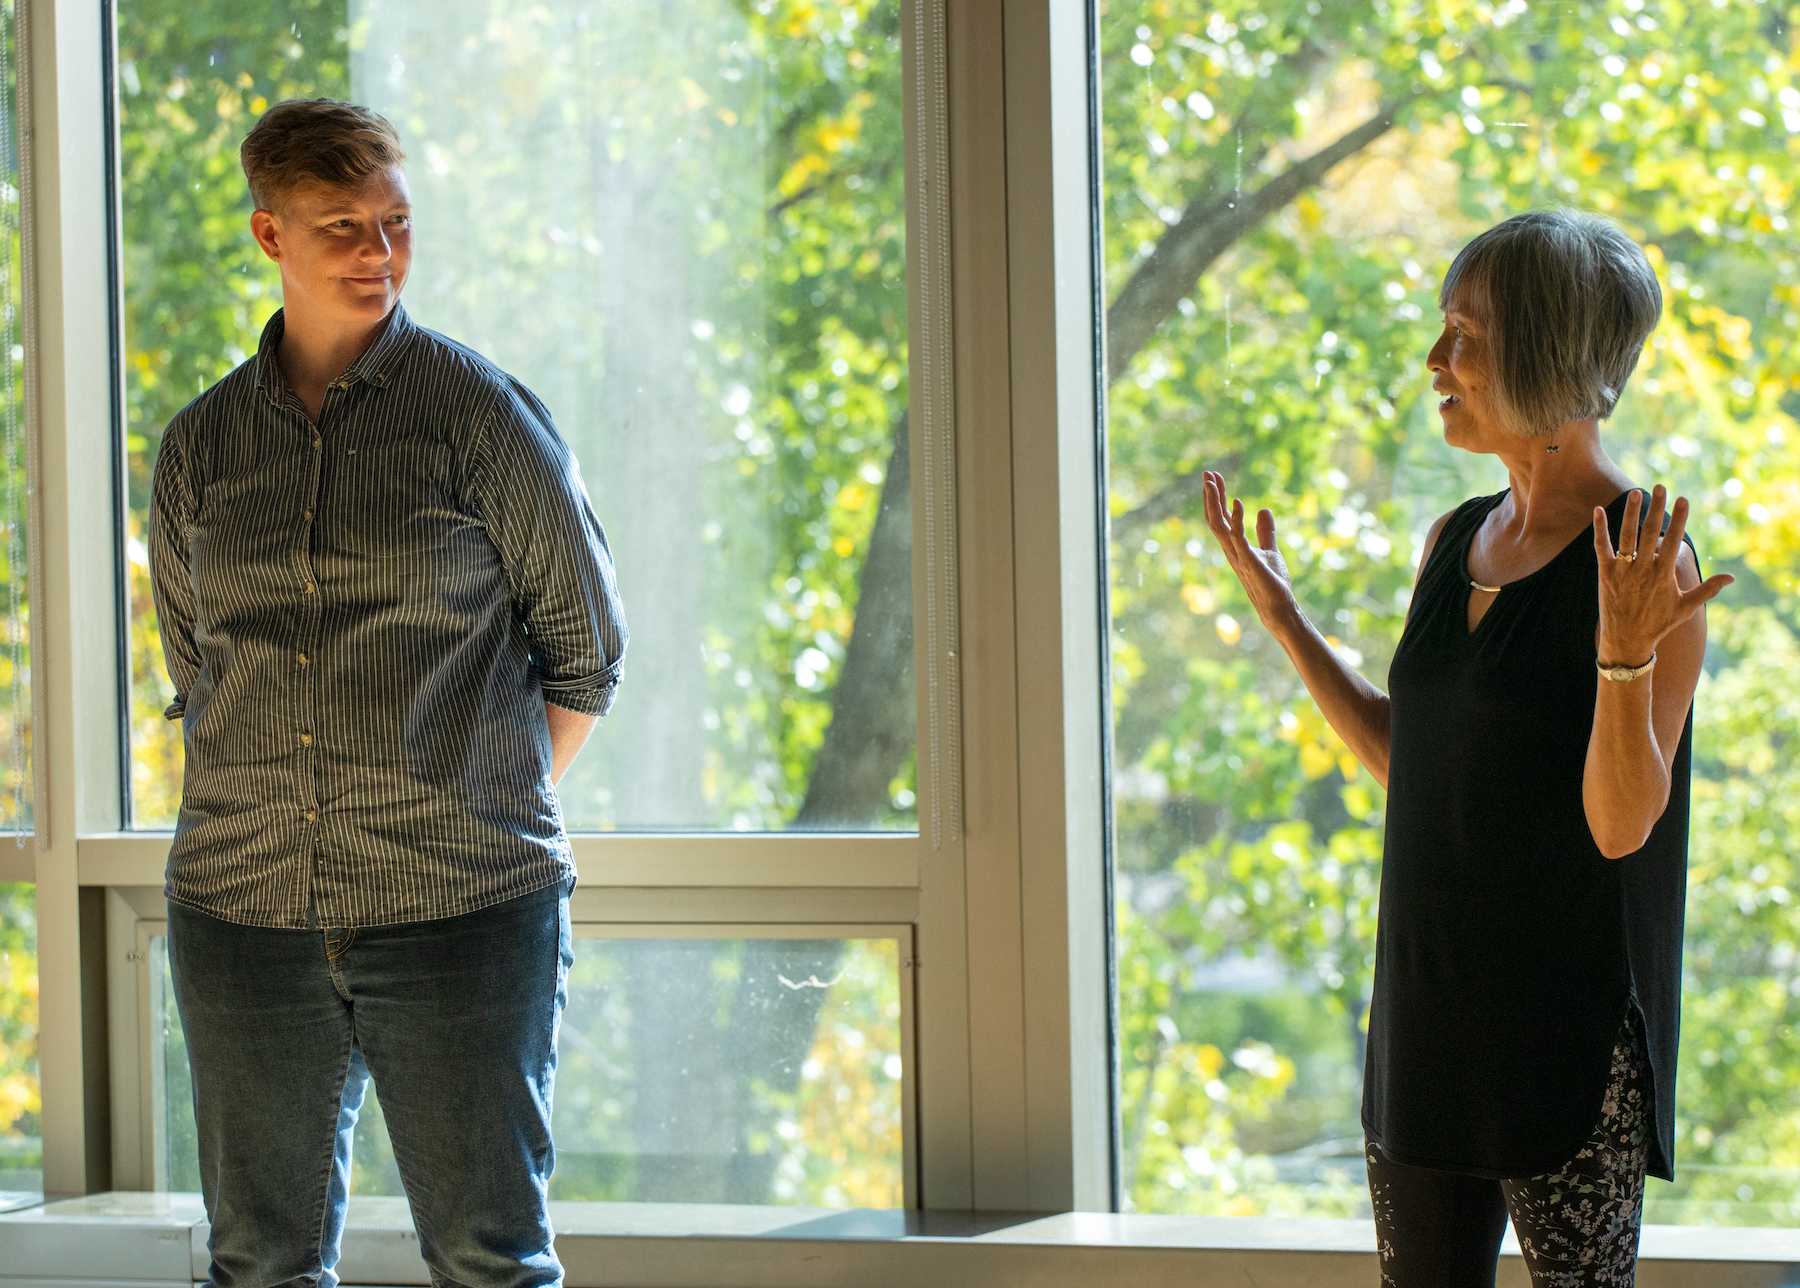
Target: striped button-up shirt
{"type": "Point", "coordinates": [363, 618]}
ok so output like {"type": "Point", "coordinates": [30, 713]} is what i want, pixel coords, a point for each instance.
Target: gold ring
{"type": "Point", "coordinates": [1631, 558]}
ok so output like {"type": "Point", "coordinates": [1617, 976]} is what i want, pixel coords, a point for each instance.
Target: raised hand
{"type": "Point", "coordinates": [1640, 600]}
{"type": "Point", "coordinates": [1260, 568]}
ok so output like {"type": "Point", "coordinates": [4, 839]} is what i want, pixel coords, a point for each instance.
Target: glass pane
{"type": "Point", "coordinates": [732, 1071]}
{"type": "Point", "coordinates": [1273, 251]}
{"type": "Point", "coordinates": [15, 516]}
{"type": "Point", "coordinates": [686, 230]}
{"type": "Point", "coordinates": [690, 1070]}
{"type": "Point", "coordinates": [21, 1142]}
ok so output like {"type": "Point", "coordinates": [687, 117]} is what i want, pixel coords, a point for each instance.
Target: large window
{"type": "Point", "coordinates": [688, 235]}
{"type": "Point", "coordinates": [1283, 187]}
{"type": "Point", "coordinates": [697, 229]}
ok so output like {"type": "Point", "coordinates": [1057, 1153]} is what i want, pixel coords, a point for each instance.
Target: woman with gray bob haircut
{"type": "Point", "coordinates": [1570, 301]}
{"type": "Point", "coordinates": [1535, 743]}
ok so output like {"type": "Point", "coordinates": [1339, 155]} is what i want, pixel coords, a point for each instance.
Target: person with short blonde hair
{"type": "Point", "coordinates": [1535, 743]}
{"type": "Point", "coordinates": [391, 620]}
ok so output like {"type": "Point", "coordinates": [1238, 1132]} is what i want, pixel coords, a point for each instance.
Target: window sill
{"type": "Point", "coordinates": [161, 1238]}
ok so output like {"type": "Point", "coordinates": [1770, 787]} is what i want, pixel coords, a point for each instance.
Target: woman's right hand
{"type": "Point", "coordinates": [1260, 568]}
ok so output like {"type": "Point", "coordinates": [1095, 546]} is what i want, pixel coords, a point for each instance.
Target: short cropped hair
{"type": "Point", "coordinates": [305, 141]}
{"type": "Point", "coordinates": [1568, 301]}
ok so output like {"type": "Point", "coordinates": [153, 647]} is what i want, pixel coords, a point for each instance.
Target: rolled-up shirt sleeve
{"type": "Point", "coordinates": [171, 586]}
{"type": "Point", "coordinates": [527, 486]}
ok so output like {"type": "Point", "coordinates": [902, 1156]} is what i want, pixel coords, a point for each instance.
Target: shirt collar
{"type": "Point", "coordinates": [376, 366]}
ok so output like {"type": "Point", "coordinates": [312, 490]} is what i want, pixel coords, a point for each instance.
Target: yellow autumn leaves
{"type": "Point", "coordinates": [19, 1091]}
{"type": "Point", "coordinates": [830, 136]}
{"type": "Point", "coordinates": [1319, 748]}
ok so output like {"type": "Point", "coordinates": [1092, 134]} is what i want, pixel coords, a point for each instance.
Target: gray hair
{"type": "Point", "coordinates": [1568, 301]}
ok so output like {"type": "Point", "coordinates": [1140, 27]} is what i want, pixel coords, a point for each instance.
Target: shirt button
{"type": "Point", "coordinates": [307, 515]}
{"type": "Point", "coordinates": [306, 740]}
{"type": "Point", "coordinates": [302, 659]}
{"type": "Point", "coordinates": [306, 588]}
{"type": "Point", "coordinates": [312, 816]}
{"type": "Point", "coordinates": [316, 442]}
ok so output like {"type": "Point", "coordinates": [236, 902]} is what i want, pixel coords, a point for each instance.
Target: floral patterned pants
{"type": "Point", "coordinates": [1577, 1227]}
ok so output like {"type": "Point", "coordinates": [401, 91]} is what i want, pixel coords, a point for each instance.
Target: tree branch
{"type": "Point", "coordinates": [1269, 95]}
{"type": "Point", "coordinates": [1206, 229]}
{"type": "Point", "coordinates": [1176, 498]}
{"type": "Point", "coordinates": [877, 174]}
{"type": "Point", "coordinates": [1190, 247]}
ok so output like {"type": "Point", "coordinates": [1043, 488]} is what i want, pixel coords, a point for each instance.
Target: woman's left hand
{"type": "Point", "coordinates": [1640, 601]}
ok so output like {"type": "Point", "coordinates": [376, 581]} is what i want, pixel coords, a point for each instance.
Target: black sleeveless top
{"type": "Point", "coordinates": [1509, 949]}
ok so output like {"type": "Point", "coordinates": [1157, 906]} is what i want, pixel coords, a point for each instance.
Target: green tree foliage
{"type": "Point", "coordinates": [192, 80]}
{"type": "Point", "coordinates": [21, 1102]}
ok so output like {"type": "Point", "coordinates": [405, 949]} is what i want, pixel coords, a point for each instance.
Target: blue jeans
{"type": "Point", "coordinates": [456, 1021]}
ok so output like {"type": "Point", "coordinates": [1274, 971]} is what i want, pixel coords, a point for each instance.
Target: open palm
{"type": "Point", "coordinates": [1260, 569]}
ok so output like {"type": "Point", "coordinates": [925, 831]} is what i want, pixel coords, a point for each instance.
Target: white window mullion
{"type": "Point", "coordinates": [1030, 881]}
{"type": "Point", "coordinates": [1056, 550]}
